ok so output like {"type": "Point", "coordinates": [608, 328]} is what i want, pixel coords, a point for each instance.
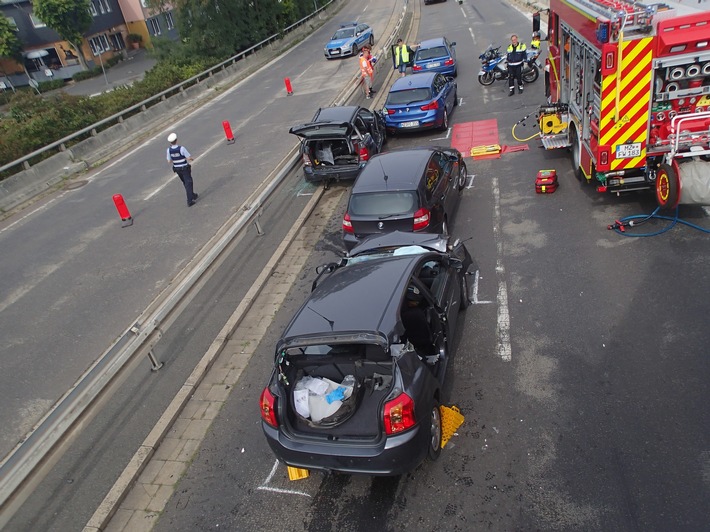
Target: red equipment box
{"type": "Point", "coordinates": [546, 181]}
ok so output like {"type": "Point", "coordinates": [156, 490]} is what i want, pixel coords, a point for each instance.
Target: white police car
{"type": "Point", "coordinates": [348, 40]}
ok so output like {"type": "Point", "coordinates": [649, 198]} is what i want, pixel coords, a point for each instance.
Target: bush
{"type": "Point", "coordinates": [87, 74]}
{"type": "Point", "coordinates": [45, 86]}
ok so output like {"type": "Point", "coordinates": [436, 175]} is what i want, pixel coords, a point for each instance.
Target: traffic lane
{"type": "Point", "coordinates": [235, 482]}
{"type": "Point", "coordinates": [77, 484]}
{"type": "Point", "coordinates": [96, 287]}
{"type": "Point", "coordinates": [597, 322]}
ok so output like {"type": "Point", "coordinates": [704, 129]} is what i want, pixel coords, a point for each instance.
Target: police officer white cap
{"type": "Point", "coordinates": [172, 137]}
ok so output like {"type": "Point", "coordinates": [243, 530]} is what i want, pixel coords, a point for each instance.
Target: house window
{"type": "Point", "coordinates": [36, 22]}
{"type": "Point", "coordinates": [169, 20]}
{"type": "Point", "coordinates": [12, 22]}
{"type": "Point", "coordinates": [104, 6]}
{"type": "Point", "coordinates": [99, 44]}
{"type": "Point", "coordinates": [154, 26]}
{"type": "Point", "coordinates": [92, 9]}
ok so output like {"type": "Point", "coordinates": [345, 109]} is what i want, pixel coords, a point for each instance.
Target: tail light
{"type": "Point", "coordinates": [421, 219]}
{"type": "Point", "coordinates": [363, 153]}
{"type": "Point", "coordinates": [267, 403]}
{"type": "Point", "coordinates": [399, 414]}
{"type": "Point", "coordinates": [306, 160]}
{"type": "Point", "coordinates": [430, 106]}
{"type": "Point", "coordinates": [347, 224]}
{"type": "Point", "coordinates": [416, 68]}
{"type": "Point", "coordinates": [449, 62]}
{"type": "Point", "coordinates": [390, 111]}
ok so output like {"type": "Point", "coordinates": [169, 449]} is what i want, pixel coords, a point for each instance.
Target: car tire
{"type": "Point", "coordinates": [445, 121]}
{"type": "Point", "coordinates": [445, 227]}
{"type": "Point", "coordinates": [456, 72]}
{"type": "Point", "coordinates": [372, 40]}
{"type": "Point", "coordinates": [463, 174]}
{"type": "Point", "coordinates": [456, 98]}
{"type": "Point", "coordinates": [354, 49]}
{"type": "Point", "coordinates": [435, 431]}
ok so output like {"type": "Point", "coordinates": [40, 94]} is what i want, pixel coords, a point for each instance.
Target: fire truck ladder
{"type": "Point", "coordinates": [631, 15]}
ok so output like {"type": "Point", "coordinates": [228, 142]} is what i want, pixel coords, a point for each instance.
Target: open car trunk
{"type": "Point", "coordinates": [329, 153]}
{"type": "Point", "coordinates": [335, 391]}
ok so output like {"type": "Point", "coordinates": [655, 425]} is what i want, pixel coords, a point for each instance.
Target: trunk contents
{"type": "Point", "coordinates": [342, 393]}
{"type": "Point", "coordinates": [332, 153]}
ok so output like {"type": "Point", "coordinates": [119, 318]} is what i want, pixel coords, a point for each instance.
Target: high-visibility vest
{"type": "Point", "coordinates": [365, 66]}
{"type": "Point", "coordinates": [401, 54]}
{"type": "Point", "coordinates": [516, 55]}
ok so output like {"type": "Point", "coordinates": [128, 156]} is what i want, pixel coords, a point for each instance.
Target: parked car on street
{"type": "Point", "coordinates": [348, 40]}
{"type": "Point", "coordinates": [338, 142]}
{"type": "Point", "coordinates": [414, 190]}
{"type": "Point", "coordinates": [420, 101]}
{"type": "Point", "coordinates": [436, 55]}
{"type": "Point", "coordinates": [359, 371]}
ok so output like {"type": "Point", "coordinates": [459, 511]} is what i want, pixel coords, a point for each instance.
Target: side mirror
{"type": "Point", "coordinates": [453, 43]}
{"type": "Point", "coordinates": [536, 21]}
{"type": "Point", "coordinates": [358, 34]}
{"type": "Point", "coordinates": [321, 270]}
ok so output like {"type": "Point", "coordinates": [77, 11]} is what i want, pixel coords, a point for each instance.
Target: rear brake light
{"type": "Point", "coordinates": [347, 224]}
{"type": "Point", "coordinates": [307, 160]}
{"type": "Point", "coordinates": [416, 67]}
{"type": "Point", "coordinates": [267, 403]}
{"type": "Point", "coordinates": [421, 219]}
{"type": "Point", "coordinates": [363, 153]}
{"type": "Point", "coordinates": [430, 106]}
{"type": "Point", "coordinates": [391, 111]}
{"type": "Point", "coordinates": [399, 414]}
{"type": "Point", "coordinates": [449, 62]}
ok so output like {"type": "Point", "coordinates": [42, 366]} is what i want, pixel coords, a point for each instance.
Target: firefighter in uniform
{"type": "Point", "coordinates": [517, 54]}
{"type": "Point", "coordinates": [180, 159]}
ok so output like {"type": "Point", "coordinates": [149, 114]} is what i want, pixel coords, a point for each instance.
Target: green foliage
{"type": "Point", "coordinates": [69, 18]}
{"type": "Point", "coordinates": [134, 37]}
{"type": "Point", "coordinates": [45, 86]}
{"type": "Point", "coordinates": [10, 45]}
{"type": "Point", "coordinates": [86, 74]}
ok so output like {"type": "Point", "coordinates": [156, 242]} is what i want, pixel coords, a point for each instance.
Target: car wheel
{"type": "Point", "coordinates": [456, 98]}
{"type": "Point", "coordinates": [445, 227]}
{"type": "Point", "coordinates": [445, 121]}
{"type": "Point", "coordinates": [463, 174]}
{"type": "Point", "coordinates": [434, 431]}
{"type": "Point", "coordinates": [372, 40]}
{"type": "Point", "coordinates": [456, 72]}
{"type": "Point", "coordinates": [354, 50]}
{"type": "Point", "coordinates": [465, 301]}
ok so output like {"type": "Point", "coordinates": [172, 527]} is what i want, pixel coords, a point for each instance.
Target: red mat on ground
{"type": "Point", "coordinates": [468, 135]}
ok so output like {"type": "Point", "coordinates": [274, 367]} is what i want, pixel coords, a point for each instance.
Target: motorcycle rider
{"type": "Point", "coordinates": [535, 50]}
{"type": "Point", "coordinates": [517, 54]}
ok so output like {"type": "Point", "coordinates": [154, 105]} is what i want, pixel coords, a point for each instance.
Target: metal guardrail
{"type": "Point", "coordinates": [142, 106]}
{"type": "Point", "coordinates": [28, 456]}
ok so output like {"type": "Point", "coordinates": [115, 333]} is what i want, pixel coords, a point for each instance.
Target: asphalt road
{"type": "Point", "coordinates": [75, 280]}
{"type": "Point", "coordinates": [582, 372]}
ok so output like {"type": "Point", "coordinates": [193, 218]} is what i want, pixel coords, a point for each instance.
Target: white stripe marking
{"type": "Point", "coordinates": [264, 486]}
{"type": "Point", "coordinates": [473, 37]}
{"type": "Point", "coordinates": [503, 332]}
{"type": "Point", "coordinates": [470, 183]}
{"type": "Point", "coordinates": [475, 300]}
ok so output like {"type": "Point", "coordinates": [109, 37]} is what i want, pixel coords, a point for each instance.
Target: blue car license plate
{"type": "Point", "coordinates": [413, 123]}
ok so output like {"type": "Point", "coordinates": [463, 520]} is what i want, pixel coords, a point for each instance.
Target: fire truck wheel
{"type": "Point", "coordinates": [667, 187]}
{"type": "Point", "coordinates": [576, 153]}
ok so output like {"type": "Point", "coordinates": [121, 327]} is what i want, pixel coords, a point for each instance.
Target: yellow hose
{"type": "Point", "coordinates": [523, 140]}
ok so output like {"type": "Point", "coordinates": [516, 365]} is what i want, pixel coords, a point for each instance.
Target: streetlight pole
{"type": "Point", "coordinates": [101, 61]}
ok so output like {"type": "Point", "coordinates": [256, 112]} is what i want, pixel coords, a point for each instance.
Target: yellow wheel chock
{"type": "Point", "coordinates": [490, 149]}
{"type": "Point", "coordinates": [451, 420]}
{"type": "Point", "coordinates": [296, 473]}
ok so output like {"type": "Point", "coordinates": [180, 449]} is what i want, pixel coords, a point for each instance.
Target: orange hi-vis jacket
{"type": "Point", "coordinates": [366, 67]}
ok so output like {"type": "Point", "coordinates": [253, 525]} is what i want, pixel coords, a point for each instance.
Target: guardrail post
{"type": "Point", "coordinates": [257, 224]}
{"type": "Point", "coordinates": [154, 364]}
{"type": "Point", "coordinates": [62, 147]}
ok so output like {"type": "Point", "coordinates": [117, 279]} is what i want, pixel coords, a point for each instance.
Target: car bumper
{"type": "Point", "coordinates": [319, 175]}
{"type": "Point", "coordinates": [396, 455]}
{"type": "Point", "coordinates": [332, 54]}
{"type": "Point", "coordinates": [427, 122]}
{"type": "Point", "coordinates": [446, 70]}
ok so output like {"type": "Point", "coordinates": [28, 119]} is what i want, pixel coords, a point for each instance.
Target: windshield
{"type": "Point", "coordinates": [431, 53]}
{"type": "Point", "coordinates": [344, 33]}
{"type": "Point", "coordinates": [380, 253]}
{"type": "Point", "coordinates": [408, 96]}
{"type": "Point", "coordinates": [383, 204]}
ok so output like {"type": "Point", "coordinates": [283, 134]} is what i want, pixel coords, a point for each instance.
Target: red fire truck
{"type": "Point", "coordinates": [628, 87]}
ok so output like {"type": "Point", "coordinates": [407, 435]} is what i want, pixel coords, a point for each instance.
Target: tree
{"type": "Point", "coordinates": [69, 18]}
{"type": "Point", "coordinates": [10, 46]}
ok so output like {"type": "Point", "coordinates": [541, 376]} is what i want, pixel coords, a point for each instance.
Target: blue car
{"type": "Point", "coordinates": [436, 55]}
{"type": "Point", "coordinates": [348, 40]}
{"type": "Point", "coordinates": [420, 101]}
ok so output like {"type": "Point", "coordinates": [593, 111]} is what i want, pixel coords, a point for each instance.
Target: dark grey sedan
{"type": "Point", "coordinates": [359, 370]}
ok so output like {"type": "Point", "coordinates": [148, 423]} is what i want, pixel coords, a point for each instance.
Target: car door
{"type": "Point", "coordinates": [442, 91]}
{"type": "Point", "coordinates": [436, 186]}
{"type": "Point", "coordinates": [450, 176]}
{"type": "Point", "coordinates": [365, 136]}
{"type": "Point", "coordinates": [443, 289]}
{"type": "Point", "coordinates": [361, 35]}
{"type": "Point", "coordinates": [369, 119]}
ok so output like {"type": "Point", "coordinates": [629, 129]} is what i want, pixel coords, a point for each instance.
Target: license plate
{"type": "Point", "coordinates": [414, 123]}
{"type": "Point", "coordinates": [433, 65]}
{"type": "Point", "coordinates": [628, 151]}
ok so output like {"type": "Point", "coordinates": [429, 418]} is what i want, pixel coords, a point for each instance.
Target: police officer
{"type": "Point", "coordinates": [180, 159]}
{"type": "Point", "coordinates": [517, 54]}
{"type": "Point", "coordinates": [402, 56]}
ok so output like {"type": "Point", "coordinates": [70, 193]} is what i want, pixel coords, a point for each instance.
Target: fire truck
{"type": "Point", "coordinates": [628, 89]}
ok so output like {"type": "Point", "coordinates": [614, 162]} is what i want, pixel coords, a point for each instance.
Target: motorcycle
{"type": "Point", "coordinates": [494, 66]}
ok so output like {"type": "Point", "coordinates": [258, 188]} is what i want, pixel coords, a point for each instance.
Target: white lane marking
{"type": "Point", "coordinates": [470, 183]}
{"type": "Point", "coordinates": [460, 102]}
{"type": "Point", "coordinates": [503, 332]}
{"type": "Point", "coordinates": [448, 134]}
{"type": "Point", "coordinates": [475, 300]}
{"type": "Point", "coordinates": [464, 12]}
{"type": "Point", "coordinates": [473, 37]}
{"type": "Point", "coordinates": [264, 486]}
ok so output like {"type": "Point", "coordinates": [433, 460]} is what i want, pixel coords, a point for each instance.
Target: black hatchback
{"type": "Point", "coordinates": [405, 190]}
{"type": "Point", "coordinates": [358, 372]}
{"type": "Point", "coordinates": [339, 141]}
